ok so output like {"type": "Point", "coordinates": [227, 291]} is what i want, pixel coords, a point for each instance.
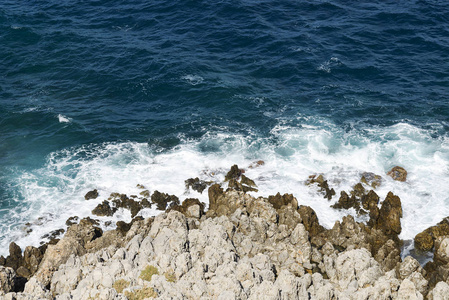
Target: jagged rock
{"type": "Point", "coordinates": [91, 195]}
{"type": "Point", "coordinates": [346, 202]}
{"type": "Point", "coordinates": [388, 255]}
{"type": "Point", "coordinates": [441, 254]}
{"type": "Point", "coordinates": [310, 220]}
{"type": "Point", "coordinates": [162, 200]}
{"type": "Point", "coordinates": [104, 209]}
{"type": "Point", "coordinates": [324, 186]}
{"type": "Point", "coordinates": [53, 235]}
{"type": "Point", "coordinates": [425, 240]}
{"type": "Point", "coordinates": [408, 291]}
{"type": "Point", "coordinates": [234, 173]}
{"type": "Point", "coordinates": [32, 257]}
{"type": "Point", "coordinates": [134, 206]}
{"type": "Point", "coordinates": [7, 280]}
{"type": "Point", "coordinates": [289, 216]}
{"type": "Point", "coordinates": [371, 179]}
{"type": "Point", "coordinates": [191, 208]}
{"type": "Point", "coordinates": [247, 181]}
{"type": "Point", "coordinates": [390, 215]}
{"type": "Point", "coordinates": [74, 242]}
{"type": "Point", "coordinates": [398, 173]}
{"type": "Point", "coordinates": [72, 220]}
{"type": "Point", "coordinates": [279, 201]}
{"type": "Point", "coordinates": [196, 184]}
{"type": "Point", "coordinates": [14, 260]}
{"type": "Point", "coordinates": [440, 292]}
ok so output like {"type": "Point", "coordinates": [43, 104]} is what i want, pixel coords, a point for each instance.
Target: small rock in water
{"type": "Point", "coordinates": [196, 184]}
{"type": "Point", "coordinates": [234, 173]}
{"type": "Point", "coordinates": [371, 179]}
{"type": "Point", "coordinates": [104, 209]}
{"type": "Point", "coordinates": [72, 220]}
{"type": "Point", "coordinates": [162, 199]}
{"type": "Point", "coordinates": [398, 174]}
{"type": "Point", "coordinates": [91, 195]}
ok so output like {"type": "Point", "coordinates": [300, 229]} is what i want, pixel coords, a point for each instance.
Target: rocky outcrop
{"type": "Point", "coordinates": [322, 184]}
{"type": "Point", "coordinates": [91, 195]}
{"type": "Point", "coordinates": [241, 248]}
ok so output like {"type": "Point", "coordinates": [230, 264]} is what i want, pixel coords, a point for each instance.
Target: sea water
{"type": "Point", "coordinates": [110, 94]}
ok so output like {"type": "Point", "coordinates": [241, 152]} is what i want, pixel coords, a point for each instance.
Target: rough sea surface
{"type": "Point", "coordinates": [111, 94]}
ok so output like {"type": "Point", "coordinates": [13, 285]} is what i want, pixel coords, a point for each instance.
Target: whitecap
{"type": "Point", "coordinates": [193, 79]}
{"type": "Point", "coordinates": [290, 154]}
{"type": "Point", "coordinates": [63, 119]}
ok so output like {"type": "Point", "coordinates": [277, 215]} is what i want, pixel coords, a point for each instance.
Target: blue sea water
{"type": "Point", "coordinates": [107, 94]}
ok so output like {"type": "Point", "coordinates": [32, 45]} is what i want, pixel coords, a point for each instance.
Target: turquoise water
{"type": "Point", "coordinates": [108, 94]}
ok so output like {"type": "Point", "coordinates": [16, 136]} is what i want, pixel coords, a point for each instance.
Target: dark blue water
{"type": "Point", "coordinates": [82, 81]}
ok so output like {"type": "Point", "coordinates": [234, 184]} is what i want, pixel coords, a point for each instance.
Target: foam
{"type": "Point", "coordinates": [63, 119]}
{"type": "Point", "coordinates": [193, 79]}
{"type": "Point", "coordinates": [55, 192]}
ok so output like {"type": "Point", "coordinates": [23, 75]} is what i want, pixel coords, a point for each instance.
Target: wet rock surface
{"type": "Point", "coordinates": [241, 248]}
{"type": "Point", "coordinates": [398, 173]}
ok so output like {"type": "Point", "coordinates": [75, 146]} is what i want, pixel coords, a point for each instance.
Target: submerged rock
{"type": "Point", "coordinates": [197, 185]}
{"type": "Point", "coordinates": [234, 173]}
{"type": "Point", "coordinates": [371, 179]}
{"type": "Point", "coordinates": [398, 173]}
{"type": "Point", "coordinates": [324, 186]}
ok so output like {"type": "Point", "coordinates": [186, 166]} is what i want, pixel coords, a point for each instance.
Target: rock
{"type": "Point", "coordinates": [442, 250]}
{"type": "Point", "coordinates": [32, 257]}
{"type": "Point", "coordinates": [104, 209]}
{"type": "Point", "coordinates": [91, 195]}
{"type": "Point", "coordinates": [390, 215]}
{"type": "Point", "coordinates": [72, 220]}
{"type": "Point", "coordinates": [324, 186]}
{"type": "Point", "coordinates": [7, 280]}
{"type": "Point", "coordinates": [256, 164]}
{"type": "Point", "coordinates": [279, 201]}
{"type": "Point", "coordinates": [196, 184]}
{"type": "Point", "coordinates": [346, 202]}
{"type": "Point", "coordinates": [247, 181]}
{"type": "Point", "coordinates": [398, 173]}
{"type": "Point", "coordinates": [310, 220]}
{"type": "Point", "coordinates": [134, 206]}
{"type": "Point", "coordinates": [234, 173]}
{"type": "Point", "coordinates": [408, 291]}
{"type": "Point", "coordinates": [371, 179]}
{"type": "Point", "coordinates": [14, 260]}
{"type": "Point", "coordinates": [440, 292]}
{"type": "Point", "coordinates": [424, 241]}
{"type": "Point", "coordinates": [162, 200]}
{"type": "Point", "coordinates": [191, 208]}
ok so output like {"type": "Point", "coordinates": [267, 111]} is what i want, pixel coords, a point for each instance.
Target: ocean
{"type": "Point", "coordinates": [108, 94]}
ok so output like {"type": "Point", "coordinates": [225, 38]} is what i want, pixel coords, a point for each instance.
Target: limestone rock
{"type": "Point", "coordinates": [7, 280]}
{"type": "Point", "coordinates": [425, 240]}
{"type": "Point", "coordinates": [104, 209]}
{"type": "Point", "coordinates": [440, 292]}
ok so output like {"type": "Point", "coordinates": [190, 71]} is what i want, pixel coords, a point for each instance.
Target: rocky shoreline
{"type": "Point", "coordinates": [242, 247]}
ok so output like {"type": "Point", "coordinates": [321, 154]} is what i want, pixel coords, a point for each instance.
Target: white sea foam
{"type": "Point", "coordinates": [56, 191]}
{"type": "Point", "coordinates": [193, 79]}
{"type": "Point", "coordinates": [63, 119]}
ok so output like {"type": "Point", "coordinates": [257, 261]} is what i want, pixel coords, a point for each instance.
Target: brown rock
{"type": "Point", "coordinates": [188, 208]}
{"type": "Point", "coordinates": [310, 220]}
{"type": "Point", "coordinates": [72, 220]}
{"type": "Point", "coordinates": [234, 173]}
{"type": "Point", "coordinates": [324, 186]}
{"type": "Point", "coordinates": [424, 241]}
{"type": "Point", "coordinates": [398, 173]}
{"type": "Point", "coordinates": [346, 202]}
{"type": "Point", "coordinates": [32, 257]}
{"type": "Point", "coordinates": [91, 195]}
{"type": "Point", "coordinates": [279, 201]}
{"type": "Point", "coordinates": [104, 209]}
{"type": "Point", "coordinates": [390, 215]}
{"type": "Point", "coordinates": [371, 179]}
{"type": "Point", "coordinates": [14, 259]}
{"type": "Point", "coordinates": [196, 184]}
{"type": "Point", "coordinates": [162, 200]}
